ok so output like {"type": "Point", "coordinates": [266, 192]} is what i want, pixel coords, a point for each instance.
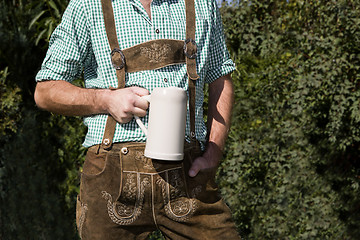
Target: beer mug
{"type": "Point", "coordinates": [167, 121]}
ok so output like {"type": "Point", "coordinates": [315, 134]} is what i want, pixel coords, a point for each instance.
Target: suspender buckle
{"type": "Point", "coordinates": [193, 49]}
{"type": "Point", "coordinates": [115, 58]}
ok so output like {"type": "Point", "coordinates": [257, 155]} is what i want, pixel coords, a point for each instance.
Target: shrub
{"type": "Point", "coordinates": [292, 170]}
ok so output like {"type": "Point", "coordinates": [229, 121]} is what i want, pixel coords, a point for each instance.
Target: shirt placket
{"type": "Point", "coordinates": [158, 28]}
{"type": "Point", "coordinates": [151, 30]}
{"type": "Point", "coordinates": [157, 19]}
{"type": "Point", "coordinates": [155, 31]}
{"type": "Point", "coordinates": [160, 19]}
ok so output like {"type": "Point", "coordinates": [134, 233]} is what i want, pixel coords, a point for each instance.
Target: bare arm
{"type": "Point", "coordinates": [65, 98]}
{"type": "Point", "coordinates": [221, 98]}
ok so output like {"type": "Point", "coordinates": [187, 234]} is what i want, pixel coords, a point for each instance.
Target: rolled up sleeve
{"type": "Point", "coordinates": [219, 62]}
{"type": "Point", "coordinates": [68, 47]}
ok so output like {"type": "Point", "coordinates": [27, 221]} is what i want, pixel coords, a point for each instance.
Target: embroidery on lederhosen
{"type": "Point", "coordinates": [83, 210]}
{"type": "Point", "coordinates": [178, 206]}
{"type": "Point", "coordinates": [123, 214]}
{"type": "Point", "coordinates": [129, 190]}
{"type": "Point", "coordinates": [156, 53]}
{"type": "Point", "coordinates": [146, 162]}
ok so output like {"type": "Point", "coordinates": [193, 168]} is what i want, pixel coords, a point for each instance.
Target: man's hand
{"type": "Point", "coordinates": [211, 158]}
{"type": "Point", "coordinates": [123, 104]}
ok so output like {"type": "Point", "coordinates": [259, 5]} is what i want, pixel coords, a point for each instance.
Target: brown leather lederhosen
{"type": "Point", "coordinates": [131, 60]}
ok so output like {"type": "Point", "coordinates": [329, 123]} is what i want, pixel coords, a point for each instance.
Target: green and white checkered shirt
{"type": "Point", "coordinates": [79, 45]}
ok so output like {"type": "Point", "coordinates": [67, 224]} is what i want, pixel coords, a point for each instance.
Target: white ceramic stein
{"type": "Point", "coordinates": [167, 121]}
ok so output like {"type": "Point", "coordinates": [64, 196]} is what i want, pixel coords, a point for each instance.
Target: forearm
{"type": "Point", "coordinates": [64, 98]}
{"type": "Point", "coordinates": [221, 98]}
{"type": "Point", "coordinates": [67, 99]}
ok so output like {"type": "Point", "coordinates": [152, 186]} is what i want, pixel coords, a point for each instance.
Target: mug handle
{"type": "Point", "coordinates": [138, 120]}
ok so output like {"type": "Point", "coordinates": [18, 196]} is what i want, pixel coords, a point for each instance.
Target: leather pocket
{"type": "Point", "coordinates": [94, 163]}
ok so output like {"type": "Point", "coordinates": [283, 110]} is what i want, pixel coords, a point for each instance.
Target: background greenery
{"type": "Point", "coordinates": [291, 168]}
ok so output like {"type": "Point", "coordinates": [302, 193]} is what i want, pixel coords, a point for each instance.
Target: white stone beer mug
{"type": "Point", "coordinates": [167, 121]}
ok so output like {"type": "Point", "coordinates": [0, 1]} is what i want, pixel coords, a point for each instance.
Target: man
{"type": "Point", "coordinates": [124, 195]}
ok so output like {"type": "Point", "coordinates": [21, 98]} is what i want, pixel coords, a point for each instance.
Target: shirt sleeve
{"type": "Point", "coordinates": [68, 47]}
{"type": "Point", "coordinates": [219, 63]}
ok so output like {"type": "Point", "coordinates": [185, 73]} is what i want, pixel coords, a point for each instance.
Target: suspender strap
{"type": "Point", "coordinates": [136, 60]}
{"type": "Point", "coordinates": [118, 60]}
{"type": "Point", "coordinates": [190, 49]}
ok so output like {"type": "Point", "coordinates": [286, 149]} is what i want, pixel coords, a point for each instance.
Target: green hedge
{"type": "Point", "coordinates": [291, 168]}
{"type": "Point", "coordinates": [40, 153]}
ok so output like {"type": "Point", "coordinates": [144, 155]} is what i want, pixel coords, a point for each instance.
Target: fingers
{"type": "Point", "coordinates": [140, 104]}
{"type": "Point", "coordinates": [139, 91]}
{"type": "Point", "coordinates": [140, 107]}
{"type": "Point", "coordinates": [208, 160]}
{"type": "Point", "coordinates": [196, 166]}
{"type": "Point", "coordinates": [193, 171]}
{"type": "Point", "coordinates": [140, 112]}
{"type": "Point", "coordinates": [128, 102]}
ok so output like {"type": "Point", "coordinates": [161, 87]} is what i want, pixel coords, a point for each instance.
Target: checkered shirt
{"type": "Point", "coordinates": [79, 45]}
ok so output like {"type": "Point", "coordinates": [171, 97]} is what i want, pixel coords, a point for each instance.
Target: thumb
{"type": "Point", "coordinates": [195, 168]}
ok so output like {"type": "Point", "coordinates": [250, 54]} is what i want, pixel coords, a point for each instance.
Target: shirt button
{"type": "Point", "coordinates": [165, 80]}
{"type": "Point", "coordinates": [157, 31]}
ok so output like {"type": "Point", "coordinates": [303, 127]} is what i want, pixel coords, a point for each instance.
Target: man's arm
{"type": "Point", "coordinates": [221, 98]}
{"type": "Point", "coordinates": [64, 98]}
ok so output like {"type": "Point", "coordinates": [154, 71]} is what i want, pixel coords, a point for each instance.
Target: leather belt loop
{"type": "Point", "coordinates": [118, 61]}
{"type": "Point", "coordinates": [190, 50]}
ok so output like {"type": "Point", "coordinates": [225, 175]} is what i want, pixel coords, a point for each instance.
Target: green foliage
{"type": "Point", "coordinates": [47, 18]}
{"type": "Point", "coordinates": [40, 153]}
{"type": "Point", "coordinates": [292, 168]}
{"type": "Point", "coordinates": [9, 106]}
{"type": "Point", "coordinates": [32, 205]}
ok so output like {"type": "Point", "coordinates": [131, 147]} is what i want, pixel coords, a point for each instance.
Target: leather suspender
{"type": "Point", "coordinates": [131, 59]}
{"type": "Point", "coordinates": [110, 28]}
{"type": "Point", "coordinates": [190, 44]}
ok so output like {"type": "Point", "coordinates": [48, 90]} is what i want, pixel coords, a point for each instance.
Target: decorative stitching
{"type": "Point", "coordinates": [176, 185]}
{"type": "Point", "coordinates": [156, 53]}
{"type": "Point", "coordinates": [139, 155]}
{"type": "Point", "coordinates": [83, 210]}
{"type": "Point", "coordinates": [195, 192]}
{"type": "Point", "coordinates": [130, 188]}
{"type": "Point", "coordinates": [122, 214]}
{"type": "Point", "coordinates": [180, 210]}
{"type": "Point", "coordinates": [157, 173]}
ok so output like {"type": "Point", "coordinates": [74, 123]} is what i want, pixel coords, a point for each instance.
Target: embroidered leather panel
{"type": "Point", "coordinates": [154, 54]}
{"type": "Point", "coordinates": [125, 214]}
{"type": "Point", "coordinates": [178, 205]}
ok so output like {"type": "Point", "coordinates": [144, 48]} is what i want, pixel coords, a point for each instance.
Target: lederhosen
{"type": "Point", "coordinates": [124, 195]}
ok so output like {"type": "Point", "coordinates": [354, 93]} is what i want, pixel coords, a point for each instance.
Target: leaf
{"type": "Point", "coordinates": [55, 8]}
{"type": "Point", "coordinates": [36, 18]}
